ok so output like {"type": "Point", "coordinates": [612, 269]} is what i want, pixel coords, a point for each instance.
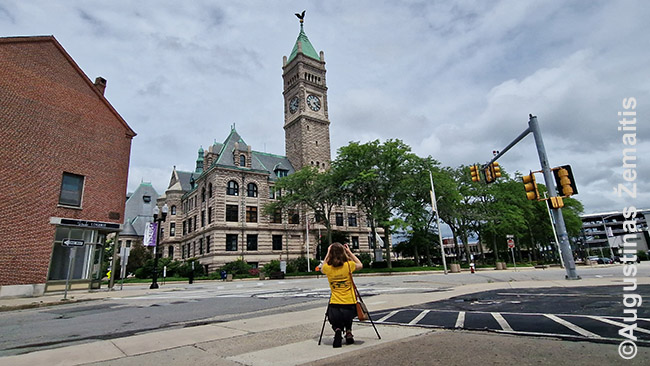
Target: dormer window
{"type": "Point", "coordinates": [242, 160]}
{"type": "Point", "coordinates": [146, 199]}
{"type": "Point", "coordinates": [281, 173]}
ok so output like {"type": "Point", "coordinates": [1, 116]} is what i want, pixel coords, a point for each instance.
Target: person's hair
{"type": "Point", "coordinates": [338, 257]}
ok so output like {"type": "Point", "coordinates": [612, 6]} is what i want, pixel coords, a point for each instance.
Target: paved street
{"type": "Point", "coordinates": [261, 322]}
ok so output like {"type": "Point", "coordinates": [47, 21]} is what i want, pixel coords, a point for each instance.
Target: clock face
{"type": "Point", "coordinates": [293, 104]}
{"type": "Point", "coordinates": [313, 102]}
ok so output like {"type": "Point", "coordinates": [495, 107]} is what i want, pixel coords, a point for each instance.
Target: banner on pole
{"type": "Point", "coordinates": [150, 234]}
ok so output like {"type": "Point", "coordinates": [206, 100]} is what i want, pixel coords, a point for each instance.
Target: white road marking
{"type": "Point", "coordinates": [573, 327]}
{"type": "Point", "coordinates": [609, 321]}
{"type": "Point", "coordinates": [460, 322]}
{"type": "Point", "coordinates": [502, 322]}
{"type": "Point", "coordinates": [419, 317]}
{"type": "Point", "coordinates": [388, 316]}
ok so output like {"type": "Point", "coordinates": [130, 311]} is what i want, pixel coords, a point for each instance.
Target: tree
{"type": "Point", "coordinates": [372, 173]}
{"type": "Point", "coordinates": [318, 191]}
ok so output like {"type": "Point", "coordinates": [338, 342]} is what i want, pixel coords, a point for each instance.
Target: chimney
{"type": "Point", "coordinates": [100, 83]}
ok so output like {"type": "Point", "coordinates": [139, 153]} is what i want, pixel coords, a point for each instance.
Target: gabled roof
{"type": "Point", "coordinates": [180, 180]}
{"type": "Point", "coordinates": [137, 211]}
{"type": "Point", "coordinates": [307, 48]}
{"type": "Point", "coordinates": [44, 40]}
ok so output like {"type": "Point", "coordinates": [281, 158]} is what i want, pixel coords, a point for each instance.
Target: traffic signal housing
{"type": "Point", "coordinates": [476, 176]}
{"type": "Point", "coordinates": [492, 172]}
{"type": "Point", "coordinates": [564, 181]}
{"type": "Point", "coordinates": [530, 186]}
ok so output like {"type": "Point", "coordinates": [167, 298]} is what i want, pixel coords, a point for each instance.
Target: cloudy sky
{"type": "Point", "coordinates": [454, 80]}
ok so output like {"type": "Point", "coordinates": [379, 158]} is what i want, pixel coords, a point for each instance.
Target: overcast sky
{"type": "Point", "coordinates": [454, 80]}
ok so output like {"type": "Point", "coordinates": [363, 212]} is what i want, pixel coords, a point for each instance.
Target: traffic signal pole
{"type": "Point", "coordinates": [565, 246]}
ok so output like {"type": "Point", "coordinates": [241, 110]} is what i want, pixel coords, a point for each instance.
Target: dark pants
{"type": "Point", "coordinates": [341, 315]}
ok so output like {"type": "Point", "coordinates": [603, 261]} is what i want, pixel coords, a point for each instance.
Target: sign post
{"type": "Point", "coordinates": [72, 244]}
{"type": "Point", "coordinates": [511, 245]}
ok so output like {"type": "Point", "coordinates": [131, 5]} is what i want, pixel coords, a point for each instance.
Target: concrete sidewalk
{"type": "Point", "coordinates": [291, 338]}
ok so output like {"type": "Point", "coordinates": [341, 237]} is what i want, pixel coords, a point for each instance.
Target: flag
{"type": "Point", "coordinates": [150, 233]}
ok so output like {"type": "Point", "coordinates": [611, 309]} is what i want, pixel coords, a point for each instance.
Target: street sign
{"type": "Point", "coordinates": [72, 243]}
{"type": "Point", "coordinates": [511, 243]}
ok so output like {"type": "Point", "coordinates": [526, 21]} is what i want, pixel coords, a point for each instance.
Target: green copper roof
{"type": "Point", "coordinates": [307, 49]}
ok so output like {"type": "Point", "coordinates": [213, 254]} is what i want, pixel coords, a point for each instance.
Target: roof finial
{"type": "Point", "coordinates": [301, 17]}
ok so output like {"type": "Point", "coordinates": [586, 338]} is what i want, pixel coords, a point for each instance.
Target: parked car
{"type": "Point", "coordinates": [605, 260]}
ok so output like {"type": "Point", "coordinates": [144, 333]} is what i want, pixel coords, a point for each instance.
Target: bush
{"type": "Point", "coordinates": [643, 256]}
{"type": "Point", "coordinates": [404, 263]}
{"type": "Point", "coordinates": [365, 259]}
{"type": "Point", "coordinates": [238, 267]}
{"type": "Point", "coordinates": [185, 269]}
{"type": "Point", "coordinates": [272, 266]}
{"type": "Point", "coordinates": [383, 264]}
{"type": "Point", "coordinates": [254, 272]}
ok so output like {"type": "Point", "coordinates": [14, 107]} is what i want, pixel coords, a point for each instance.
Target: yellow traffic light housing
{"type": "Point", "coordinates": [564, 181]}
{"type": "Point", "coordinates": [476, 176]}
{"type": "Point", "coordinates": [489, 178]}
{"type": "Point", "coordinates": [556, 202]}
{"type": "Point", "coordinates": [496, 170]}
{"type": "Point", "coordinates": [530, 186]}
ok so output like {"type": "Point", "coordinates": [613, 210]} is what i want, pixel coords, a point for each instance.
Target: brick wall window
{"type": "Point", "coordinates": [195, 222]}
{"type": "Point", "coordinates": [172, 229]}
{"type": "Point", "coordinates": [173, 210]}
{"type": "Point", "coordinates": [71, 189]}
{"type": "Point", "coordinates": [232, 188]}
{"type": "Point", "coordinates": [207, 244]}
{"type": "Point", "coordinates": [189, 225]}
{"type": "Point", "coordinates": [183, 251]}
{"type": "Point", "coordinates": [184, 227]}
{"type": "Point", "coordinates": [203, 194]}
{"type": "Point", "coordinates": [232, 213]}
{"type": "Point", "coordinates": [242, 160]}
{"type": "Point", "coordinates": [170, 251]}
{"type": "Point", "coordinates": [251, 190]}
{"type": "Point", "coordinates": [355, 242]}
{"type": "Point", "coordinates": [231, 242]}
{"type": "Point", "coordinates": [352, 219]}
{"type": "Point", "coordinates": [210, 190]}
{"type": "Point", "coordinates": [339, 219]}
{"type": "Point", "coordinates": [251, 242]}
{"type": "Point", "coordinates": [202, 218]}
{"type": "Point", "coordinates": [209, 215]}
{"type": "Point", "coordinates": [201, 246]}
{"type": "Point", "coordinates": [251, 214]}
{"type": "Point", "coordinates": [277, 242]}
{"type": "Point", "coordinates": [272, 193]}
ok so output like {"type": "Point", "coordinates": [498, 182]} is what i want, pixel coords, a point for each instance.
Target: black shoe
{"type": "Point", "coordinates": [349, 338]}
{"type": "Point", "coordinates": [337, 339]}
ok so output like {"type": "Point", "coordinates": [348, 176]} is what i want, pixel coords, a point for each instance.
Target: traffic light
{"type": "Point", "coordinates": [496, 170]}
{"type": "Point", "coordinates": [476, 176]}
{"type": "Point", "coordinates": [530, 186]}
{"type": "Point", "coordinates": [556, 202]}
{"type": "Point", "coordinates": [564, 181]}
{"type": "Point", "coordinates": [487, 171]}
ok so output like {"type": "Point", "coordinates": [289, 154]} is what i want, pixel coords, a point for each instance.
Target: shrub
{"type": "Point", "coordinates": [404, 263]}
{"type": "Point", "coordinates": [238, 267]}
{"type": "Point", "coordinates": [643, 256]}
{"type": "Point", "coordinates": [272, 266]}
{"type": "Point", "coordinates": [365, 259]}
{"type": "Point", "coordinates": [254, 272]}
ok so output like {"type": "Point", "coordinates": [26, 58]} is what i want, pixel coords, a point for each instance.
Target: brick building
{"type": "Point", "coordinates": [216, 211]}
{"type": "Point", "coordinates": [65, 157]}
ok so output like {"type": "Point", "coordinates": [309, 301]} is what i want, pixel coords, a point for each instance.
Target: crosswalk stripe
{"type": "Point", "coordinates": [460, 322]}
{"type": "Point", "coordinates": [618, 324]}
{"type": "Point", "coordinates": [388, 316]}
{"type": "Point", "coordinates": [502, 322]}
{"type": "Point", "coordinates": [573, 327]}
{"type": "Point", "coordinates": [419, 317]}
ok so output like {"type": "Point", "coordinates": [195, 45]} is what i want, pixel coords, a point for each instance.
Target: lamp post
{"type": "Point", "coordinates": [158, 219]}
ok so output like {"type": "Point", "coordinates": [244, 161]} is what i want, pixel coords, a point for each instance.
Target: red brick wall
{"type": "Point", "coordinates": [52, 121]}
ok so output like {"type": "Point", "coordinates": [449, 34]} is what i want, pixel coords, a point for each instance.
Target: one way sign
{"type": "Point", "coordinates": [73, 243]}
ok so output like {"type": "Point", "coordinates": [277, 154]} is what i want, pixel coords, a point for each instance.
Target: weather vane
{"type": "Point", "coordinates": [301, 16]}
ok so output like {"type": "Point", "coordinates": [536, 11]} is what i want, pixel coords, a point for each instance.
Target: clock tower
{"type": "Point", "coordinates": [306, 120]}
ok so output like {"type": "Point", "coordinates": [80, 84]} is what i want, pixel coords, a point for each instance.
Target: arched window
{"type": "Point", "coordinates": [233, 188]}
{"type": "Point", "coordinates": [173, 210]}
{"type": "Point", "coordinates": [251, 190]}
{"type": "Point", "coordinates": [242, 160]}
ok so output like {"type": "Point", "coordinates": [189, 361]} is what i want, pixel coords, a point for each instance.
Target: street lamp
{"type": "Point", "coordinates": [158, 220]}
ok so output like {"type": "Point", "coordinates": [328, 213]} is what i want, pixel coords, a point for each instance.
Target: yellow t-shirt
{"type": "Point", "coordinates": [341, 283]}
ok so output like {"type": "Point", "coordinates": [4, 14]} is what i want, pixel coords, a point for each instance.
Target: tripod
{"type": "Point", "coordinates": [327, 312]}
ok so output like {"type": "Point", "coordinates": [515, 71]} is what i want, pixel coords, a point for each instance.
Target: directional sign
{"type": "Point", "coordinates": [72, 243]}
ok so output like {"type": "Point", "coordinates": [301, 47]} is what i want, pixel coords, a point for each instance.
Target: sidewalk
{"type": "Point", "coordinates": [291, 338]}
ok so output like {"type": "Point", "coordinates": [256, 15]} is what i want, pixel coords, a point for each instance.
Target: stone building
{"type": "Point", "coordinates": [216, 211]}
{"type": "Point", "coordinates": [138, 212]}
{"type": "Point", "coordinates": [65, 159]}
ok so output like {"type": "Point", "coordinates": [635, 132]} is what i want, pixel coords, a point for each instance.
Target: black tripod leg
{"type": "Point", "coordinates": [373, 325]}
{"type": "Point", "coordinates": [324, 321]}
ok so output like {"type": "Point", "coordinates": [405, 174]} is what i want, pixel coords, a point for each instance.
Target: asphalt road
{"type": "Point", "coordinates": [183, 305]}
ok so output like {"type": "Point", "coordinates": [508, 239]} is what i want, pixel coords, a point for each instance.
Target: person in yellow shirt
{"type": "Point", "coordinates": [338, 265]}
